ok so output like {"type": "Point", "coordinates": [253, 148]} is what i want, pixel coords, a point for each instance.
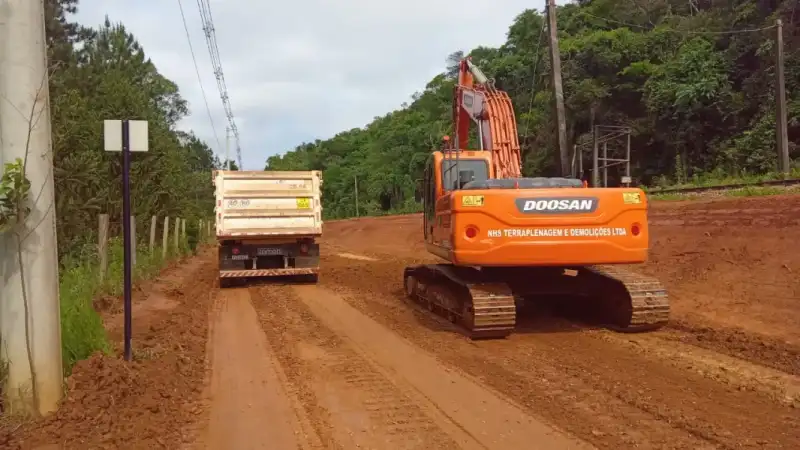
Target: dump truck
{"type": "Point", "coordinates": [268, 224]}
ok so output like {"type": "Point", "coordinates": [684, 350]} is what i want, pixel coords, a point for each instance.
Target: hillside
{"type": "Point", "coordinates": [698, 97]}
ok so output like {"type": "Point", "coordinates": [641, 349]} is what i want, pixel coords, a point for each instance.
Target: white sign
{"type": "Point", "coordinates": [557, 232]}
{"type": "Point", "coordinates": [138, 137]}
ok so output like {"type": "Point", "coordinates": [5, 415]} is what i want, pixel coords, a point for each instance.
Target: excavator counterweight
{"type": "Point", "coordinates": [509, 239]}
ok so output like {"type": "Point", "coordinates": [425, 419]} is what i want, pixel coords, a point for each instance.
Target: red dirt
{"type": "Point", "coordinates": [730, 264]}
{"type": "Point", "coordinates": [145, 404]}
{"type": "Point", "coordinates": [351, 363]}
{"type": "Point", "coordinates": [733, 272]}
{"type": "Point", "coordinates": [730, 267]}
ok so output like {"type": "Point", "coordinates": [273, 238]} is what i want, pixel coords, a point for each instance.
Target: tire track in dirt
{"type": "Point", "coordinates": [369, 395]}
{"type": "Point", "coordinates": [666, 346]}
{"type": "Point", "coordinates": [248, 407]}
{"type": "Point", "coordinates": [602, 392]}
{"type": "Point", "coordinates": [349, 403]}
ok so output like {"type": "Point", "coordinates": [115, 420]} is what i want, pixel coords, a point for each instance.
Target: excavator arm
{"type": "Point", "coordinates": [477, 101]}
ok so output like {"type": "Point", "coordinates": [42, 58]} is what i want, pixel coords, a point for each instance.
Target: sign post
{"type": "Point", "coordinates": [126, 136]}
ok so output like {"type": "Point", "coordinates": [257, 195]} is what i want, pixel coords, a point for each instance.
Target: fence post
{"type": "Point", "coordinates": [164, 238]}
{"type": "Point", "coordinates": [102, 244]}
{"type": "Point", "coordinates": [175, 234]}
{"type": "Point", "coordinates": [153, 221]}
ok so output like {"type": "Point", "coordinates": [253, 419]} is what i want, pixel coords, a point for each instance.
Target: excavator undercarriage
{"type": "Point", "coordinates": [484, 301]}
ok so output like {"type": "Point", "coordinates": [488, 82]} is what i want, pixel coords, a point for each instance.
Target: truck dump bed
{"type": "Point", "coordinates": [260, 204]}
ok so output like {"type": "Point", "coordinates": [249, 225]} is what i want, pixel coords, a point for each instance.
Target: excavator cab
{"type": "Point", "coordinates": [444, 174]}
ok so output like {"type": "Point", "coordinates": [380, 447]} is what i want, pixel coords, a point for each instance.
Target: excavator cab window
{"type": "Point", "coordinates": [464, 177]}
{"type": "Point", "coordinates": [469, 171]}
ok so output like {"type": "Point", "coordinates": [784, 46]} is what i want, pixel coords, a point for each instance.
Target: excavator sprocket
{"type": "Point", "coordinates": [484, 308]}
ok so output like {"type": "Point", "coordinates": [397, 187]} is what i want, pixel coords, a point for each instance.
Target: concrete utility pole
{"type": "Point", "coordinates": [558, 89]}
{"type": "Point", "coordinates": [30, 331]}
{"type": "Point", "coordinates": [782, 132]}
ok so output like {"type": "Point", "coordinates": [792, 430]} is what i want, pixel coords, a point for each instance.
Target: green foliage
{"type": "Point", "coordinates": [701, 104]}
{"type": "Point", "coordinates": [110, 76]}
{"type": "Point", "coordinates": [230, 165]}
{"type": "Point", "coordinates": [14, 189]}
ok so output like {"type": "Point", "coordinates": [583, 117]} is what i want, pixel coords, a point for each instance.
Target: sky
{"type": "Point", "coordinates": [301, 70]}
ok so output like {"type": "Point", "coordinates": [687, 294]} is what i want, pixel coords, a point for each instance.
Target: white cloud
{"type": "Point", "coordinates": [305, 69]}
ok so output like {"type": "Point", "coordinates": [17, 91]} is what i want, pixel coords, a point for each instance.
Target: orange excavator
{"type": "Point", "coordinates": [510, 239]}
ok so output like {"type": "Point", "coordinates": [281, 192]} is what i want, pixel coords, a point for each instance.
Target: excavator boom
{"type": "Point", "coordinates": [477, 101]}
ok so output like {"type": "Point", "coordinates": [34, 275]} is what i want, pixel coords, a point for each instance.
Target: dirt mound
{"type": "Point", "coordinates": [147, 403]}
{"type": "Point", "coordinates": [731, 263]}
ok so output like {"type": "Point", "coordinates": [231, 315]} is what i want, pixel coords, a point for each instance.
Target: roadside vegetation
{"type": "Point", "coordinates": [99, 72]}
{"type": "Point", "coordinates": [719, 178]}
{"type": "Point", "coordinates": [84, 293]}
{"type": "Point", "coordinates": [749, 191]}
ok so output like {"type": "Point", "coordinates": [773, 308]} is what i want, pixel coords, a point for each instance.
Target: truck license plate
{"type": "Point", "coordinates": [269, 251]}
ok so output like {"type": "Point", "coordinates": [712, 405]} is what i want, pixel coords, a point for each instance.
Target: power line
{"type": "Point", "coordinates": [213, 52]}
{"type": "Point", "coordinates": [197, 71]}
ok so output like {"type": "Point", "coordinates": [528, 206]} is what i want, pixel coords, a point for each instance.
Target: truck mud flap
{"type": "Point", "coordinates": [290, 271]}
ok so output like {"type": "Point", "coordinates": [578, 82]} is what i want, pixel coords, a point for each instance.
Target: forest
{"type": "Point", "coordinates": [99, 73]}
{"type": "Point", "coordinates": [693, 80]}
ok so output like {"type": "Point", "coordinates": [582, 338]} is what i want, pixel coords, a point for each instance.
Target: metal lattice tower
{"type": "Point", "coordinates": [213, 52]}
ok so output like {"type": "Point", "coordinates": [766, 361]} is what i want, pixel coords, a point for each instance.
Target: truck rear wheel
{"type": "Point", "coordinates": [224, 283]}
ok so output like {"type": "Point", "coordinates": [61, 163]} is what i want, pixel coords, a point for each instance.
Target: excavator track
{"type": "Point", "coordinates": [484, 308]}
{"type": "Point", "coordinates": [644, 306]}
{"type": "Point", "coordinates": [483, 301]}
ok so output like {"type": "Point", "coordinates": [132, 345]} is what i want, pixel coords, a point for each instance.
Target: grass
{"type": "Point", "coordinates": [748, 191]}
{"type": "Point", "coordinates": [721, 179]}
{"type": "Point", "coordinates": [82, 331]}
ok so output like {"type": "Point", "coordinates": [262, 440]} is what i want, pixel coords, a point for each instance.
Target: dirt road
{"type": "Point", "coordinates": [349, 363]}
